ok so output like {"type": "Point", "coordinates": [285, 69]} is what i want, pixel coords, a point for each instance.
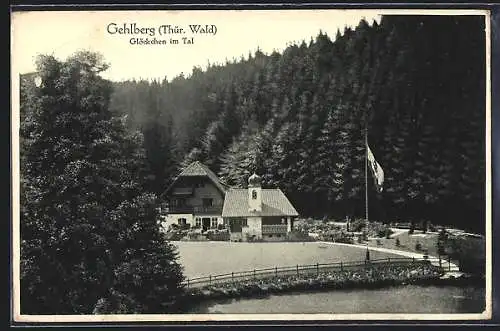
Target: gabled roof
{"type": "Point", "coordinates": [274, 203]}
{"type": "Point", "coordinates": [198, 169]}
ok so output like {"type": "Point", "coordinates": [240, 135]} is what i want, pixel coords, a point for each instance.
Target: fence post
{"type": "Point", "coordinates": [209, 279]}
{"type": "Point", "coordinates": [297, 269]}
{"type": "Point", "coordinates": [232, 276]}
{"type": "Point", "coordinates": [449, 263]}
{"type": "Point", "coordinates": [341, 266]}
{"type": "Point", "coordinates": [414, 259]}
{"type": "Point", "coordinates": [254, 274]}
{"type": "Point", "coordinates": [388, 260]}
{"type": "Point", "coordinates": [317, 268]}
{"type": "Point", "coordinates": [188, 282]}
{"type": "Point", "coordinates": [276, 271]}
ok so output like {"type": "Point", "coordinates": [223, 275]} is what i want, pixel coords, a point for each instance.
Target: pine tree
{"type": "Point", "coordinates": [84, 217]}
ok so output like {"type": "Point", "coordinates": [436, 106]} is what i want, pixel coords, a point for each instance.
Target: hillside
{"type": "Point", "coordinates": [298, 118]}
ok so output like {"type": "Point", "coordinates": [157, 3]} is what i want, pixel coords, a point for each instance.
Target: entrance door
{"type": "Point", "coordinates": [205, 221]}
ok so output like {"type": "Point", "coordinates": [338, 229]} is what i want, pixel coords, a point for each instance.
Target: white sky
{"type": "Point", "coordinates": [238, 32]}
{"type": "Point", "coordinates": [62, 33]}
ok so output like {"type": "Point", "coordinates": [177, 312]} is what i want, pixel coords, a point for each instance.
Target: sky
{"type": "Point", "coordinates": [238, 33]}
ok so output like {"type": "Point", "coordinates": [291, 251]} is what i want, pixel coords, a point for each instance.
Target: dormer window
{"type": "Point", "coordinates": [254, 194]}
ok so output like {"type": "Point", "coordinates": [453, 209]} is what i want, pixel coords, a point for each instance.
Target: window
{"type": "Point", "coordinates": [208, 202]}
{"type": "Point", "coordinates": [181, 221]}
{"type": "Point", "coordinates": [254, 194]}
{"type": "Point", "coordinates": [178, 202]}
{"type": "Point", "coordinates": [198, 221]}
{"type": "Point", "coordinates": [214, 222]}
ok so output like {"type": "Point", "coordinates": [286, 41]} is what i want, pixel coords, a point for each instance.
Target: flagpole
{"type": "Point", "coordinates": [366, 169]}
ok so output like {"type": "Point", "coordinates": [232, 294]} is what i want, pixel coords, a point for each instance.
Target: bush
{"type": "Point", "coordinates": [218, 235]}
{"type": "Point", "coordinates": [186, 226]}
{"type": "Point", "coordinates": [412, 228]}
{"type": "Point", "coordinates": [299, 236]}
{"type": "Point", "coordinates": [470, 253]}
{"type": "Point", "coordinates": [357, 225]}
{"type": "Point", "coordinates": [378, 229]}
{"type": "Point", "coordinates": [418, 246]}
{"type": "Point", "coordinates": [341, 236]}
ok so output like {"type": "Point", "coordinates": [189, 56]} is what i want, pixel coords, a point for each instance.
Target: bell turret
{"type": "Point", "coordinates": [254, 193]}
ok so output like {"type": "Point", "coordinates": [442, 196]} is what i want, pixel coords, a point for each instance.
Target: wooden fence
{"type": "Point", "coordinates": [294, 270]}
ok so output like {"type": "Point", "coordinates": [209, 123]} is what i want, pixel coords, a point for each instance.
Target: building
{"type": "Point", "coordinates": [255, 213]}
{"type": "Point", "coordinates": [195, 198]}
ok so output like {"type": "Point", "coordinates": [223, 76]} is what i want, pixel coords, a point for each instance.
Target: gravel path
{"type": "Point", "coordinates": [453, 269]}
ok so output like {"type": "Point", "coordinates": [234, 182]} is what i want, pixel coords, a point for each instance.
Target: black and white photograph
{"type": "Point", "coordinates": [251, 165]}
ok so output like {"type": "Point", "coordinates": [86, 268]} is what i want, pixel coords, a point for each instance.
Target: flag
{"type": "Point", "coordinates": [377, 171]}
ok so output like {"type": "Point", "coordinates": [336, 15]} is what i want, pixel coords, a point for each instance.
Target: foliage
{"type": "Point", "coordinates": [90, 236]}
{"type": "Point", "coordinates": [298, 236]}
{"type": "Point", "coordinates": [298, 118]}
{"type": "Point", "coordinates": [218, 235]}
{"type": "Point", "coordinates": [441, 241]}
{"type": "Point", "coordinates": [412, 228]}
{"type": "Point", "coordinates": [418, 246]}
{"type": "Point", "coordinates": [378, 229]}
{"type": "Point", "coordinates": [469, 251]}
{"type": "Point", "coordinates": [357, 225]}
{"type": "Point", "coordinates": [339, 235]}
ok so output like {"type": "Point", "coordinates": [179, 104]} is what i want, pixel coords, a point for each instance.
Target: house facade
{"type": "Point", "coordinates": [195, 198]}
{"type": "Point", "coordinates": [255, 213]}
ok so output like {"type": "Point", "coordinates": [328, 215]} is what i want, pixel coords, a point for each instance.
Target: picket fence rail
{"type": "Point", "coordinates": [296, 270]}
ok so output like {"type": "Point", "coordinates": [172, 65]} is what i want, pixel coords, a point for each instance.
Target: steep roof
{"type": "Point", "coordinates": [198, 169]}
{"type": "Point", "coordinates": [274, 203]}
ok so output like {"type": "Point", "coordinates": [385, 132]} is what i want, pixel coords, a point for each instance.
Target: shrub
{"type": "Point", "coordinates": [185, 226]}
{"type": "Point", "coordinates": [418, 246]}
{"type": "Point", "coordinates": [357, 225]}
{"type": "Point", "coordinates": [299, 236]}
{"type": "Point", "coordinates": [218, 236]}
{"type": "Point", "coordinates": [470, 253]}
{"type": "Point", "coordinates": [425, 225]}
{"type": "Point", "coordinates": [341, 236]}
{"type": "Point", "coordinates": [412, 228]}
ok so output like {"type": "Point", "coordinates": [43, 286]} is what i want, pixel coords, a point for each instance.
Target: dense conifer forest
{"type": "Point", "coordinates": [417, 83]}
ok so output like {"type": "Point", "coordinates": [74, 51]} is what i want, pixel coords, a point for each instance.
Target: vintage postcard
{"type": "Point", "coordinates": [251, 165]}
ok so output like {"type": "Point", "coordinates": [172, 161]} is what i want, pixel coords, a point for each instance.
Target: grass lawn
{"type": "Point", "coordinates": [408, 242]}
{"type": "Point", "coordinates": [210, 258]}
{"type": "Point", "coordinates": [472, 249]}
